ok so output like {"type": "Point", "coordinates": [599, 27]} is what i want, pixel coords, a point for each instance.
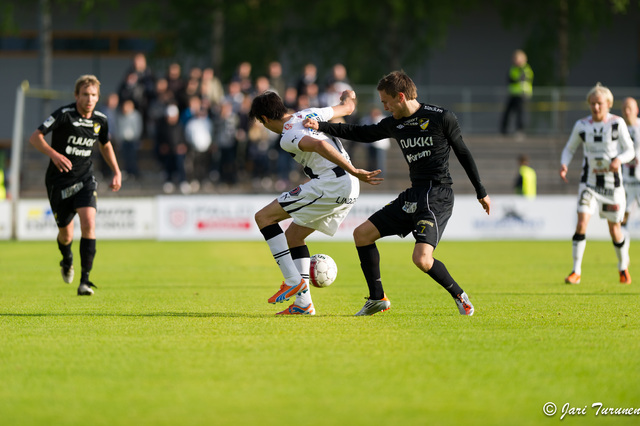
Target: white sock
{"type": "Point", "coordinates": [303, 264]}
{"type": "Point", "coordinates": [282, 256]}
{"type": "Point", "coordinates": [623, 254]}
{"type": "Point", "coordinates": [578, 254]}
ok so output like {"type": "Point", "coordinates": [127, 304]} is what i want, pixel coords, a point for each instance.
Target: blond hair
{"type": "Point", "coordinates": [599, 89]}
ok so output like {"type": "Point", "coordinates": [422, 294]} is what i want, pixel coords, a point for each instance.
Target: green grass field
{"type": "Point", "coordinates": [181, 334]}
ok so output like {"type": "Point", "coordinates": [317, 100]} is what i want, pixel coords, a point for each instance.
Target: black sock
{"type": "Point", "coordinates": [370, 264]}
{"type": "Point", "coordinates": [440, 274]}
{"type": "Point", "coordinates": [87, 253]}
{"type": "Point", "coordinates": [67, 254]}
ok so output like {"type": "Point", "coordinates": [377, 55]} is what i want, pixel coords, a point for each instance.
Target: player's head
{"type": "Point", "coordinates": [269, 105]}
{"type": "Point", "coordinates": [630, 110]}
{"type": "Point", "coordinates": [600, 100]}
{"type": "Point", "coordinates": [600, 90]}
{"type": "Point", "coordinates": [86, 80]}
{"type": "Point", "coordinates": [398, 82]}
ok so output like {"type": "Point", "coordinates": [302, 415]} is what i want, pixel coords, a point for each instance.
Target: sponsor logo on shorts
{"type": "Point", "coordinates": [295, 191]}
{"type": "Point", "coordinates": [424, 223]}
{"type": "Point", "coordinates": [410, 207]}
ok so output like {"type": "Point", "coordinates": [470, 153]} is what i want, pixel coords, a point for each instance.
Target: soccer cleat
{"type": "Point", "coordinates": [84, 289]}
{"type": "Point", "coordinates": [294, 309]}
{"type": "Point", "coordinates": [573, 278]}
{"type": "Point", "coordinates": [464, 305]}
{"type": "Point", "coordinates": [373, 306]}
{"type": "Point", "coordinates": [625, 278]}
{"type": "Point", "coordinates": [67, 272]}
{"type": "Point", "coordinates": [286, 291]}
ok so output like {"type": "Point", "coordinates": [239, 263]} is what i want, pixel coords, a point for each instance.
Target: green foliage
{"type": "Point", "coordinates": [180, 333]}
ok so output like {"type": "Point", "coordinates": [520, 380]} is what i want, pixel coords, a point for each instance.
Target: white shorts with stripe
{"type": "Point", "coordinates": [609, 203]}
{"type": "Point", "coordinates": [322, 203]}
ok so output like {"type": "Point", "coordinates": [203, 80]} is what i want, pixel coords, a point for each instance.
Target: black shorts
{"type": "Point", "coordinates": [421, 211]}
{"type": "Point", "coordinates": [65, 200]}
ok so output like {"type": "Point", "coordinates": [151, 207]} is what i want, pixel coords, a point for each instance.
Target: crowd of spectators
{"type": "Point", "coordinates": [198, 126]}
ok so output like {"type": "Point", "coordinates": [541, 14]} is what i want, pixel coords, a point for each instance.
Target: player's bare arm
{"type": "Point", "coordinates": [563, 172]}
{"type": "Point", "coordinates": [325, 149]}
{"type": "Point", "coordinates": [62, 163]}
{"type": "Point", "coordinates": [109, 156]}
{"type": "Point", "coordinates": [346, 106]}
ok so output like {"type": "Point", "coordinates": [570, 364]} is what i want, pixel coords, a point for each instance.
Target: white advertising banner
{"type": "Point", "coordinates": [5, 220]}
{"type": "Point", "coordinates": [117, 218]}
{"type": "Point", "coordinates": [230, 217]}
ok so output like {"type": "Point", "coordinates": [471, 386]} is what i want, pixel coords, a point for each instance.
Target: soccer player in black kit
{"type": "Point", "coordinates": [426, 134]}
{"type": "Point", "coordinates": [71, 185]}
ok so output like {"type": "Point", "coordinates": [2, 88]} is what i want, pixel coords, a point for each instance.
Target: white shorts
{"type": "Point", "coordinates": [611, 205]}
{"type": "Point", "coordinates": [321, 204]}
{"type": "Point", "coordinates": [632, 191]}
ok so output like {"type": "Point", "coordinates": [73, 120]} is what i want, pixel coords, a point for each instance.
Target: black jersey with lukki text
{"type": "Point", "coordinates": [74, 137]}
{"type": "Point", "coordinates": [426, 139]}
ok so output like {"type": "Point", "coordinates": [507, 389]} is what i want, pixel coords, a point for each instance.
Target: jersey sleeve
{"type": "Point", "coordinates": [369, 133]}
{"type": "Point", "coordinates": [452, 132]}
{"type": "Point", "coordinates": [572, 144]}
{"type": "Point", "coordinates": [51, 122]}
{"type": "Point", "coordinates": [320, 114]}
{"type": "Point", "coordinates": [103, 135]}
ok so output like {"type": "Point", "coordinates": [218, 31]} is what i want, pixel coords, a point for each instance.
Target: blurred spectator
{"type": "Point", "coordinates": [158, 106]}
{"type": "Point", "coordinates": [338, 75]}
{"type": "Point", "coordinates": [262, 85]}
{"type": "Point", "coordinates": [195, 105]}
{"type": "Point", "coordinates": [198, 135]}
{"type": "Point", "coordinates": [177, 85]}
{"type": "Point", "coordinates": [146, 80]}
{"type": "Point", "coordinates": [520, 78]}
{"type": "Point", "coordinates": [225, 128]}
{"type": "Point", "coordinates": [313, 97]}
{"type": "Point", "coordinates": [129, 126]}
{"type": "Point", "coordinates": [525, 184]}
{"type": "Point", "coordinates": [290, 98]}
{"type": "Point", "coordinates": [131, 90]}
{"type": "Point", "coordinates": [376, 151]}
{"type": "Point", "coordinates": [276, 80]}
{"type": "Point", "coordinates": [243, 76]}
{"type": "Point", "coordinates": [211, 88]}
{"type": "Point", "coordinates": [309, 76]}
{"type": "Point", "coordinates": [172, 149]}
{"type": "Point", "coordinates": [234, 96]}
{"type": "Point", "coordinates": [260, 141]}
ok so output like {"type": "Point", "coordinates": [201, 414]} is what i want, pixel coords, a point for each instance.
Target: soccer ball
{"type": "Point", "coordinates": [323, 270]}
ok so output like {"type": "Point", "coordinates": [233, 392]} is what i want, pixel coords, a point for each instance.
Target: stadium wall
{"type": "Point", "coordinates": [230, 217]}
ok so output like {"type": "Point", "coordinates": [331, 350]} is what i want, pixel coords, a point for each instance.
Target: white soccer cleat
{"type": "Point", "coordinates": [464, 305]}
{"type": "Point", "coordinates": [373, 306]}
{"type": "Point", "coordinates": [67, 273]}
{"type": "Point", "coordinates": [84, 289]}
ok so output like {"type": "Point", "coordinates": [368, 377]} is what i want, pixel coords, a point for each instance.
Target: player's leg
{"type": "Point", "coordinates": [296, 236]}
{"type": "Point", "coordinates": [87, 216]}
{"type": "Point", "coordinates": [621, 246]}
{"type": "Point", "coordinates": [63, 213]}
{"type": "Point", "coordinates": [365, 237]}
{"type": "Point", "coordinates": [65, 240]}
{"type": "Point", "coordinates": [267, 220]}
{"type": "Point", "coordinates": [424, 260]}
{"type": "Point", "coordinates": [579, 244]}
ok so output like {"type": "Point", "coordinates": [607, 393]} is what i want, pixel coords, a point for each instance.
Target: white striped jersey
{"type": "Point", "coordinates": [601, 143]}
{"type": "Point", "coordinates": [313, 163]}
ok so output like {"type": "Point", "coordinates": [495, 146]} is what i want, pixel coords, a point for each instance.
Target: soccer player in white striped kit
{"type": "Point", "coordinates": [631, 170]}
{"type": "Point", "coordinates": [320, 204]}
{"type": "Point", "coordinates": [607, 145]}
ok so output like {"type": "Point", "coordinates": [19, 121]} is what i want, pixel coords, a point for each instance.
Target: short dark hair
{"type": "Point", "coordinates": [396, 82]}
{"type": "Point", "coordinates": [268, 104]}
